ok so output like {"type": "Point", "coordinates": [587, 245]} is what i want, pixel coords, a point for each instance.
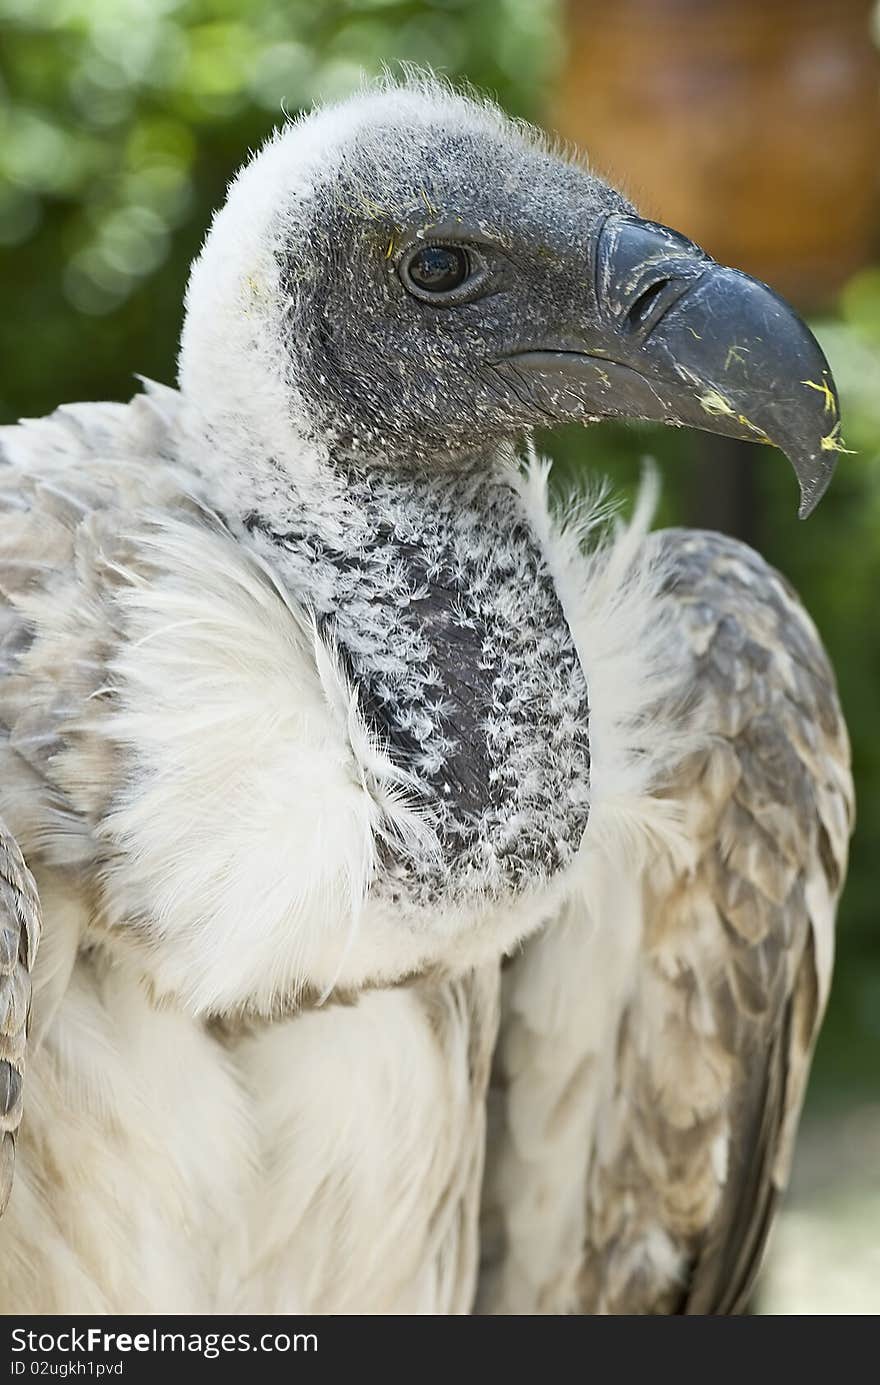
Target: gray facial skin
{"type": "Point", "coordinates": [576, 309]}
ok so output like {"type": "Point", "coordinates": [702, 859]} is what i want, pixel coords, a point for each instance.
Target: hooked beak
{"type": "Point", "coordinates": [686, 341]}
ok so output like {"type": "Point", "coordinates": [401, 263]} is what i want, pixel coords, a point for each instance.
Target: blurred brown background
{"type": "Point", "coordinates": [753, 124]}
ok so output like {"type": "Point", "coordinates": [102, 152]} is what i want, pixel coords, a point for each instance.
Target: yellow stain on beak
{"type": "Point", "coordinates": [735, 353]}
{"type": "Point", "coordinates": [833, 442]}
{"type": "Point", "coordinates": [760, 435]}
{"type": "Point", "coordinates": [825, 389]}
{"type": "Point", "coordinates": [713, 402]}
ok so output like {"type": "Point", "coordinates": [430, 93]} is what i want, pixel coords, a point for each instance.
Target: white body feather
{"type": "Point", "coordinates": [298, 1166]}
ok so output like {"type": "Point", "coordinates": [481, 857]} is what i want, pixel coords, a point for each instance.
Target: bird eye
{"type": "Point", "coordinates": [439, 273]}
{"type": "Point", "coordinates": [438, 268]}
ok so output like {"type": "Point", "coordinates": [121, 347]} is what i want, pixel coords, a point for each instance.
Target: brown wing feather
{"type": "Point", "coordinates": [656, 1039]}
{"type": "Point", "coordinates": [742, 948]}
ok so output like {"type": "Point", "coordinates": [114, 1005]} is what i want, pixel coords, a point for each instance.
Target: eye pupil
{"type": "Point", "coordinates": [439, 268]}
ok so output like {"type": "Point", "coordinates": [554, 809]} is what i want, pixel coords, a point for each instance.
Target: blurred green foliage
{"type": "Point", "coordinates": [120, 123]}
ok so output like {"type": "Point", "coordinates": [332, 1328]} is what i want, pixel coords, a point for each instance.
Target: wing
{"type": "Point", "coordinates": [20, 926]}
{"type": "Point", "coordinates": [70, 485]}
{"type": "Point", "coordinates": [64, 486]}
{"type": "Point", "coordinates": [656, 1039]}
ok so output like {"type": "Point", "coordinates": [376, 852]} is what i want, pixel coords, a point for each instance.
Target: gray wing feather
{"type": "Point", "coordinates": [772, 866]}
{"type": "Point", "coordinates": [68, 483]}
{"type": "Point", "coordinates": [680, 1079]}
{"type": "Point", "coordinates": [20, 926]}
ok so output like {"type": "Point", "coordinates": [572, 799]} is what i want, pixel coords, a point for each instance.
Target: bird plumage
{"type": "Point", "coordinates": [307, 728]}
{"type": "Point", "coordinates": [685, 1085]}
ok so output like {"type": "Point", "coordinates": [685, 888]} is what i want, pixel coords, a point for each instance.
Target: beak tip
{"type": "Point", "coordinates": [813, 487]}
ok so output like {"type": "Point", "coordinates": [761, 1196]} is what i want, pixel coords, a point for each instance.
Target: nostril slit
{"type": "Point", "coordinates": [641, 309]}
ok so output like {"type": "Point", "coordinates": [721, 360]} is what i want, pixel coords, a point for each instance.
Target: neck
{"type": "Point", "coordinates": [448, 622]}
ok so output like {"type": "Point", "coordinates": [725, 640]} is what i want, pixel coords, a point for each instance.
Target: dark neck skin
{"type": "Point", "coordinates": [450, 627]}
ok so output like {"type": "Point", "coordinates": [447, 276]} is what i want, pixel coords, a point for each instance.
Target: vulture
{"type": "Point", "coordinates": [417, 894]}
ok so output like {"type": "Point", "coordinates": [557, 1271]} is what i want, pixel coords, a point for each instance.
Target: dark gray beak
{"type": "Point", "coordinates": [685, 341]}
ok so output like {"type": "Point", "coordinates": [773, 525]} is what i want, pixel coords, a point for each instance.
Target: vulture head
{"type": "Point", "coordinates": [411, 276]}
{"type": "Point", "coordinates": [397, 290]}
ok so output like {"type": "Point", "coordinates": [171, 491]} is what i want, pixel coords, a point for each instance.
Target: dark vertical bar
{"type": "Point", "coordinates": [724, 496]}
